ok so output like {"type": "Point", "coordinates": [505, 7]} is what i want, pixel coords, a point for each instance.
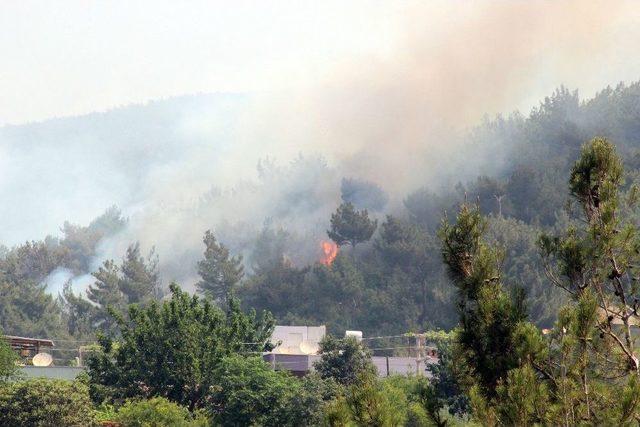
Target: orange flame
{"type": "Point", "coordinates": [329, 251]}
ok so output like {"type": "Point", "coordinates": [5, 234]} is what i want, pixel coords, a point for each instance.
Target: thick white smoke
{"type": "Point", "coordinates": [397, 118]}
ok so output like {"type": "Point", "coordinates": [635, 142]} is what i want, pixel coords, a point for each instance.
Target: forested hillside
{"type": "Point", "coordinates": [389, 281]}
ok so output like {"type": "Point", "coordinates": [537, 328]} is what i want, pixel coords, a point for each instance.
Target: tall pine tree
{"type": "Point", "coordinates": [219, 271]}
{"type": "Point", "coordinates": [139, 280]}
{"type": "Point", "coordinates": [350, 226]}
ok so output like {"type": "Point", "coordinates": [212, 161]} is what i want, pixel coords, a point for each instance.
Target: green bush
{"type": "Point", "coordinates": [45, 402]}
{"type": "Point", "coordinates": [105, 412]}
{"type": "Point", "coordinates": [8, 359]}
{"type": "Point", "coordinates": [248, 392]}
{"type": "Point", "coordinates": [368, 402]}
{"type": "Point", "coordinates": [156, 412]}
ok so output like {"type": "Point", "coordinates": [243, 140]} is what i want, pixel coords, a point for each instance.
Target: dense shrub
{"type": "Point", "coordinates": [156, 412]}
{"type": "Point", "coordinates": [45, 402]}
{"type": "Point", "coordinates": [173, 348]}
{"type": "Point", "coordinates": [369, 402]}
{"type": "Point", "coordinates": [8, 358]}
{"type": "Point", "coordinates": [249, 392]}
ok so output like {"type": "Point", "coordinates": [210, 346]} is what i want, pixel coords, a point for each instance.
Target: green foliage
{"type": "Point", "coordinates": [584, 370]}
{"type": "Point", "coordinates": [446, 391]}
{"type": "Point", "coordinates": [523, 267]}
{"type": "Point", "coordinates": [80, 243]}
{"type": "Point", "coordinates": [8, 359]}
{"type": "Point", "coordinates": [105, 293]}
{"type": "Point", "coordinates": [488, 316]}
{"type": "Point", "coordinates": [156, 412]}
{"type": "Point", "coordinates": [357, 293]}
{"type": "Point", "coordinates": [368, 402]}
{"type": "Point", "coordinates": [249, 392]}
{"type": "Point", "coordinates": [523, 398]}
{"type": "Point", "coordinates": [407, 249]}
{"type": "Point", "coordinates": [173, 349]}
{"type": "Point", "coordinates": [269, 250]}
{"type": "Point", "coordinates": [26, 308]}
{"type": "Point", "coordinates": [596, 177]}
{"type": "Point", "coordinates": [135, 281]}
{"type": "Point", "coordinates": [105, 412]}
{"type": "Point", "coordinates": [44, 402]}
{"type": "Point", "coordinates": [421, 402]}
{"type": "Point", "coordinates": [139, 280]}
{"type": "Point", "coordinates": [345, 360]}
{"type": "Point", "coordinates": [350, 226]}
{"type": "Point", "coordinates": [593, 351]}
{"type": "Point", "coordinates": [219, 271]}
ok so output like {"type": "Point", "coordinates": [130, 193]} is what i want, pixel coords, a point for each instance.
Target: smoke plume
{"type": "Point", "coordinates": [235, 163]}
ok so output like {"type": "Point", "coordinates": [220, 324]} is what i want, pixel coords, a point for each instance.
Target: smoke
{"type": "Point", "coordinates": [58, 278]}
{"type": "Point", "coordinates": [397, 118]}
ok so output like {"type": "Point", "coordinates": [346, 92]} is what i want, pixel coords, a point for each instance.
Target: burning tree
{"type": "Point", "coordinates": [350, 226]}
{"type": "Point", "coordinates": [329, 252]}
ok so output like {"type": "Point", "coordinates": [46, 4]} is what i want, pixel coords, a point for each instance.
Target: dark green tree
{"type": "Point", "coordinates": [8, 359]}
{"type": "Point", "coordinates": [595, 261]}
{"type": "Point", "coordinates": [139, 279]}
{"type": "Point", "coordinates": [445, 391]}
{"type": "Point", "coordinates": [488, 316]}
{"type": "Point", "coordinates": [173, 349]}
{"type": "Point", "coordinates": [135, 281]}
{"type": "Point", "coordinates": [27, 309]}
{"type": "Point", "coordinates": [105, 294]}
{"type": "Point", "coordinates": [45, 402]}
{"type": "Point", "coordinates": [350, 226]}
{"type": "Point", "coordinates": [80, 242]}
{"type": "Point", "coordinates": [495, 347]}
{"type": "Point", "coordinates": [82, 316]}
{"type": "Point", "coordinates": [368, 402]}
{"type": "Point", "coordinates": [345, 360]}
{"type": "Point", "coordinates": [249, 392]}
{"type": "Point", "coordinates": [219, 271]}
{"type": "Point", "coordinates": [409, 247]}
{"type": "Point", "coordinates": [269, 250]}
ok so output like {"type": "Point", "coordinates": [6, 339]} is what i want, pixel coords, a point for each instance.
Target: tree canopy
{"type": "Point", "coordinates": [219, 271]}
{"type": "Point", "coordinates": [184, 339]}
{"type": "Point", "coordinates": [350, 226]}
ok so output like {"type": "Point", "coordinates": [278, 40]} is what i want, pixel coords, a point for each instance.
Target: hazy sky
{"type": "Point", "coordinates": [74, 56]}
{"type": "Point", "coordinates": [64, 57]}
{"type": "Point", "coordinates": [377, 88]}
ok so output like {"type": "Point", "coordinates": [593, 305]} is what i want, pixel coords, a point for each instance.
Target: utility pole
{"type": "Point", "coordinates": [420, 348]}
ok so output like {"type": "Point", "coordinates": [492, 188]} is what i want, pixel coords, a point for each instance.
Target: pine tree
{"type": "Point", "coordinates": [411, 248]}
{"type": "Point", "coordinates": [219, 271]}
{"type": "Point", "coordinates": [106, 294]}
{"type": "Point", "coordinates": [350, 226]}
{"type": "Point", "coordinates": [8, 359]}
{"type": "Point", "coordinates": [495, 348]}
{"type": "Point", "coordinates": [139, 280]}
{"type": "Point", "coordinates": [488, 316]}
{"type": "Point", "coordinates": [595, 261]}
{"type": "Point", "coordinates": [81, 314]}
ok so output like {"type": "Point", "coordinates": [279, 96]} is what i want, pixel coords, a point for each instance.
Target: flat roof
{"type": "Point", "coordinates": [27, 340]}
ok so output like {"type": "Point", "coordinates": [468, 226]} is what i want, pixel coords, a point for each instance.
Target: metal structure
{"type": "Point", "coordinates": [28, 347]}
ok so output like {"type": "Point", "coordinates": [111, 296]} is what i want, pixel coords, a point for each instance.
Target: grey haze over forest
{"type": "Point", "coordinates": [397, 111]}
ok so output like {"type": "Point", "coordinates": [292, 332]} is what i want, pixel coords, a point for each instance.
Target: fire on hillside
{"type": "Point", "coordinates": [329, 252]}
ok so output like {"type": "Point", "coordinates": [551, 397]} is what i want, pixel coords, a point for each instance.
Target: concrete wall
{"type": "Point", "coordinates": [291, 337]}
{"type": "Point", "coordinates": [54, 372]}
{"type": "Point", "coordinates": [400, 366]}
{"type": "Point", "coordinates": [299, 364]}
